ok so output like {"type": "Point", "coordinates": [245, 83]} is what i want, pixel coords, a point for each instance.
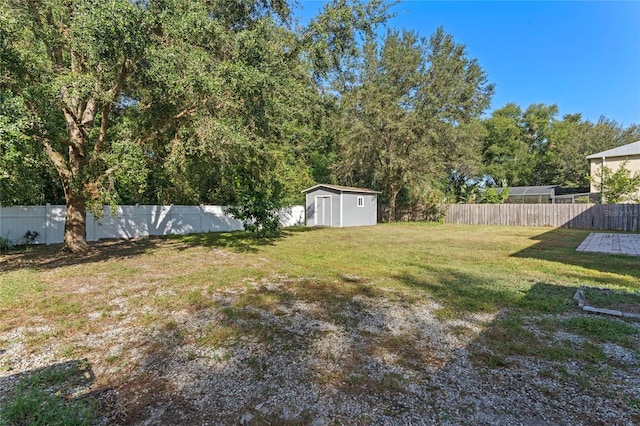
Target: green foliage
{"type": "Point", "coordinates": [25, 175]}
{"type": "Point", "coordinates": [159, 102]}
{"type": "Point", "coordinates": [38, 407]}
{"type": "Point", "coordinates": [619, 186]}
{"type": "Point", "coordinates": [515, 142]}
{"type": "Point", "coordinates": [535, 148]}
{"type": "Point", "coordinates": [35, 402]}
{"type": "Point", "coordinates": [493, 196]}
{"type": "Point", "coordinates": [603, 329]}
{"type": "Point", "coordinates": [411, 116]}
{"type": "Point", "coordinates": [332, 39]}
{"type": "Point", "coordinates": [258, 212]}
{"type": "Point", "coordinates": [5, 244]}
{"type": "Point", "coordinates": [463, 189]}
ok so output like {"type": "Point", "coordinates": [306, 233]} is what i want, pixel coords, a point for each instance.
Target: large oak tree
{"type": "Point", "coordinates": [170, 100]}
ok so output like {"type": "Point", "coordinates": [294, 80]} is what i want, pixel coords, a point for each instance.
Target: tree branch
{"type": "Point", "coordinates": [38, 21]}
{"type": "Point", "coordinates": [71, 119]}
{"type": "Point", "coordinates": [112, 94]}
{"type": "Point", "coordinates": [58, 162]}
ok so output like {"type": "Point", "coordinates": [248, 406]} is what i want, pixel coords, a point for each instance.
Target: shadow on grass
{"type": "Point", "coordinates": [239, 241]}
{"type": "Point", "coordinates": [51, 256]}
{"type": "Point", "coordinates": [54, 394]}
{"type": "Point", "coordinates": [559, 245]}
{"type": "Point", "coordinates": [459, 293]}
{"type": "Point", "coordinates": [272, 353]}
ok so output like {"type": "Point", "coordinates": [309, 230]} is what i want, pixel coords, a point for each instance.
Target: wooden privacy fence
{"type": "Point", "coordinates": [612, 217]}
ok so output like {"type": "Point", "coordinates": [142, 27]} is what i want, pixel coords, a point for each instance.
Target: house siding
{"type": "Point", "coordinates": [614, 163]}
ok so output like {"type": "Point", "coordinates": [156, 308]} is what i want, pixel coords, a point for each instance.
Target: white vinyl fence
{"type": "Point", "coordinates": [127, 222]}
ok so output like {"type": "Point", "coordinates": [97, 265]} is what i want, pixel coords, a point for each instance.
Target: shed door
{"type": "Point", "coordinates": [323, 210]}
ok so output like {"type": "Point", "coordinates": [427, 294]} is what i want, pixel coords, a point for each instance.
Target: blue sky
{"type": "Point", "coordinates": [583, 56]}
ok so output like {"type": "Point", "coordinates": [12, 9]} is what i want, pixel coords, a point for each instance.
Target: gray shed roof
{"type": "Point", "coordinates": [341, 188]}
{"type": "Point", "coordinates": [621, 151]}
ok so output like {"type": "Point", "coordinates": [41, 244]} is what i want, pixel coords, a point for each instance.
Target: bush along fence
{"type": "Point", "coordinates": [612, 217]}
{"type": "Point", "coordinates": [413, 212]}
{"type": "Point", "coordinates": [45, 224]}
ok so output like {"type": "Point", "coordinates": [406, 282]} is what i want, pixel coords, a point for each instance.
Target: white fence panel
{"type": "Point", "coordinates": [292, 216]}
{"type": "Point", "coordinates": [127, 221]}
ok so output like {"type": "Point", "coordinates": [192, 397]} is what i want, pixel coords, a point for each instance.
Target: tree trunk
{"type": "Point", "coordinates": [391, 213]}
{"type": "Point", "coordinates": [75, 227]}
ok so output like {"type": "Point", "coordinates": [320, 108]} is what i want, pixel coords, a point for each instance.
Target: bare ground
{"type": "Point", "coordinates": [277, 350]}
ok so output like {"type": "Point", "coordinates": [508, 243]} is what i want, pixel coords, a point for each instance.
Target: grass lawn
{"type": "Point", "coordinates": [504, 294]}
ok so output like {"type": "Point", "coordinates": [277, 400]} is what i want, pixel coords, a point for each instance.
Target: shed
{"type": "Point", "coordinates": [340, 206]}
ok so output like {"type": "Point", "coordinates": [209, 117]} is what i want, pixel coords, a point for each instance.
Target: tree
{"type": "Point", "coordinates": [573, 139]}
{"type": "Point", "coordinates": [25, 174]}
{"type": "Point", "coordinates": [411, 117]}
{"type": "Point", "coordinates": [69, 61]}
{"type": "Point", "coordinates": [535, 148]}
{"type": "Point", "coordinates": [164, 101]}
{"type": "Point", "coordinates": [516, 143]}
{"type": "Point", "coordinates": [505, 151]}
{"type": "Point", "coordinates": [619, 186]}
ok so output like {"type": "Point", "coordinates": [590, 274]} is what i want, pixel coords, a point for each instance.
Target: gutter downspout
{"type": "Point", "coordinates": [603, 198]}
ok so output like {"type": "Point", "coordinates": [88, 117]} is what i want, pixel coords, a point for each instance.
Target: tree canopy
{"type": "Point", "coordinates": [165, 101]}
{"type": "Point", "coordinates": [534, 147]}
{"type": "Point", "coordinates": [231, 102]}
{"type": "Point", "coordinates": [413, 114]}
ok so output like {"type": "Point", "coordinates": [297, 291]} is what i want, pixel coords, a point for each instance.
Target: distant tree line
{"type": "Point", "coordinates": [232, 102]}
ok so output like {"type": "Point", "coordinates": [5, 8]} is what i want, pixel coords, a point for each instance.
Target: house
{"type": "Point", "coordinates": [613, 159]}
{"type": "Point", "coordinates": [340, 206]}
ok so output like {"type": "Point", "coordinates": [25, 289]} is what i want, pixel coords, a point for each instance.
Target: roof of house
{"type": "Point", "coordinates": [341, 188]}
{"type": "Point", "coordinates": [621, 151]}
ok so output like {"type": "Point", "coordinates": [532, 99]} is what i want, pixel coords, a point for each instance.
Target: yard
{"type": "Point", "coordinates": [393, 324]}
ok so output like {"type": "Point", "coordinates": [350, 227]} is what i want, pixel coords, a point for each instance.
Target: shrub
{"type": "Point", "coordinates": [258, 213]}
{"type": "Point", "coordinates": [5, 244]}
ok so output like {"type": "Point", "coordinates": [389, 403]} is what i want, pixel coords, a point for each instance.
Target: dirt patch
{"type": "Point", "coordinates": [204, 335]}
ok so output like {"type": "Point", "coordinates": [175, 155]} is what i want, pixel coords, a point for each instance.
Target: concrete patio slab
{"type": "Point", "coordinates": [610, 243]}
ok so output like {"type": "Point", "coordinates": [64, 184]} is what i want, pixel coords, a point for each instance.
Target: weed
{"type": "Point", "coordinates": [603, 330]}
{"type": "Point", "coordinates": [610, 299]}
{"type": "Point", "coordinates": [39, 399]}
{"type": "Point", "coordinates": [196, 301]}
{"type": "Point", "coordinates": [490, 360]}
{"type": "Point", "coordinates": [5, 244]}
{"type": "Point", "coordinates": [219, 335]}
{"type": "Point", "coordinates": [36, 406]}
